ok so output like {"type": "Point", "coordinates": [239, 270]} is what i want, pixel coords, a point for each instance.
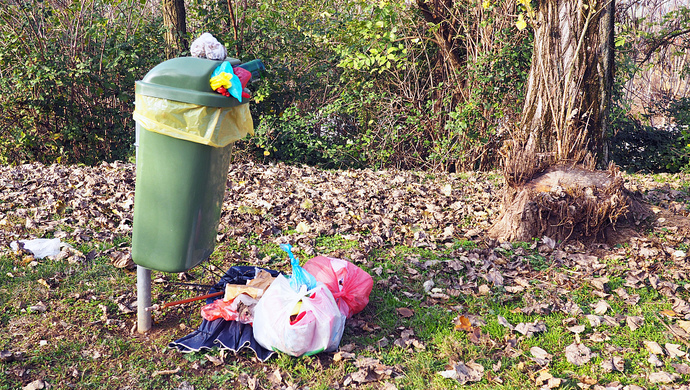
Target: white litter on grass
{"type": "Point", "coordinates": [40, 247]}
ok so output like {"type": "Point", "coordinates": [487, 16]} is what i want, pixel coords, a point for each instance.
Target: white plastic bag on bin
{"type": "Point", "coordinates": [298, 323]}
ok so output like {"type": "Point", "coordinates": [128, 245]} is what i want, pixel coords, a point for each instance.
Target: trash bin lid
{"type": "Point", "coordinates": [185, 79]}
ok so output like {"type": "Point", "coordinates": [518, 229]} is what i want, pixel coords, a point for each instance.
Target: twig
{"type": "Point", "coordinates": [672, 331]}
{"type": "Point", "coordinates": [165, 372]}
{"type": "Point", "coordinates": [180, 302]}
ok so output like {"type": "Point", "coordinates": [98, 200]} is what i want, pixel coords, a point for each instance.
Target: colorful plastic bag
{"type": "Point", "coordinates": [349, 284]}
{"type": "Point", "coordinates": [298, 323]}
{"type": "Point", "coordinates": [225, 81]}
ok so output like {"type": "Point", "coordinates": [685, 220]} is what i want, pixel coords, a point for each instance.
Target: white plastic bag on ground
{"type": "Point", "coordinates": [40, 247]}
{"type": "Point", "coordinates": [298, 323]}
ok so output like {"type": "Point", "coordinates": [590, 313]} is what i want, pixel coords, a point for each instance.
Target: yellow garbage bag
{"type": "Point", "coordinates": [213, 126]}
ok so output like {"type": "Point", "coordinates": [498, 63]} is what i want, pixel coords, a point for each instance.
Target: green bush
{"type": "Point", "coordinates": [639, 148]}
{"type": "Point", "coordinates": [68, 72]}
{"type": "Point", "coordinates": [349, 83]}
{"type": "Point", "coordinates": [371, 73]}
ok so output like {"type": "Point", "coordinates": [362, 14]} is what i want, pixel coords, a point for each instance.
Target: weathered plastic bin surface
{"type": "Point", "coordinates": [180, 184]}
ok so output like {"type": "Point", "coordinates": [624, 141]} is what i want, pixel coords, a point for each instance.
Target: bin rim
{"type": "Point", "coordinates": [163, 81]}
{"type": "Point", "coordinates": [209, 99]}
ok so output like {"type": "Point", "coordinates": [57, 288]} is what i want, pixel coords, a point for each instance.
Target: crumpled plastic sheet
{"type": "Point", "coordinates": [207, 46]}
{"type": "Point", "coordinates": [40, 247]}
{"type": "Point", "coordinates": [212, 126]}
{"type": "Point", "coordinates": [226, 335]}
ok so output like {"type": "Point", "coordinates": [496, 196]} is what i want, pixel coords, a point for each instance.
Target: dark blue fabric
{"type": "Point", "coordinates": [227, 335]}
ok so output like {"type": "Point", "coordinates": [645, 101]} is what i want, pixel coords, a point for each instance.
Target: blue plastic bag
{"type": "Point", "coordinates": [300, 277]}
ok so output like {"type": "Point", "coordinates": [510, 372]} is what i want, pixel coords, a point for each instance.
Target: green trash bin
{"type": "Point", "coordinates": [184, 132]}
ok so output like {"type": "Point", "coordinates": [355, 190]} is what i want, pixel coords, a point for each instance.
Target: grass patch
{"type": "Point", "coordinates": [83, 339]}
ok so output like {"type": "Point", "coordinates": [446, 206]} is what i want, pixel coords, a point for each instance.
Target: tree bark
{"type": "Point", "coordinates": [549, 165]}
{"type": "Point", "coordinates": [175, 23]}
{"type": "Point", "coordinates": [445, 35]}
{"type": "Point", "coordinates": [569, 86]}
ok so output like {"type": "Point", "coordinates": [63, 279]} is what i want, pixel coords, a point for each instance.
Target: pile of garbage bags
{"type": "Point", "coordinates": [301, 314]}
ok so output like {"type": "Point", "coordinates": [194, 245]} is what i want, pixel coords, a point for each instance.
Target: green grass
{"type": "Point", "coordinates": [88, 352]}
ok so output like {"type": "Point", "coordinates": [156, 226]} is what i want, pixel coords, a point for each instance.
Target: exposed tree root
{"type": "Point", "coordinates": [565, 202]}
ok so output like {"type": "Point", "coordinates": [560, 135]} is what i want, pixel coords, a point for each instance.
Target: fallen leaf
{"type": "Point", "coordinates": [654, 360]}
{"type": "Point", "coordinates": [578, 354]}
{"type": "Point", "coordinates": [678, 331]}
{"type": "Point", "coordinates": [302, 227]}
{"type": "Point", "coordinates": [653, 347]}
{"type": "Point", "coordinates": [341, 355]}
{"type": "Point", "coordinates": [601, 307]}
{"type": "Point", "coordinates": [389, 386]}
{"type": "Point", "coordinates": [615, 363]}
{"type": "Point", "coordinates": [463, 323]}
{"type": "Point", "coordinates": [599, 283]}
{"type": "Point", "coordinates": [40, 307]}
{"type": "Point", "coordinates": [541, 356]}
{"type": "Point", "coordinates": [633, 300]}
{"type": "Point", "coordinates": [463, 373]}
{"type": "Point", "coordinates": [122, 260]}
{"type": "Point", "coordinates": [404, 312]}
{"type": "Point", "coordinates": [599, 337]}
{"type": "Point", "coordinates": [447, 190]}
{"type": "Point", "coordinates": [275, 377]}
{"type": "Point", "coordinates": [610, 321]}
{"type": "Point", "coordinates": [43, 283]}
{"type": "Point", "coordinates": [495, 277]}
{"type": "Point", "coordinates": [682, 368]}
{"type": "Point", "coordinates": [530, 328]}
{"type": "Point", "coordinates": [669, 313]}
{"type": "Point", "coordinates": [577, 329]}
{"type": "Point", "coordinates": [673, 350]}
{"type": "Point", "coordinates": [594, 321]}
{"type": "Point", "coordinates": [685, 325]}
{"type": "Point", "coordinates": [588, 380]}
{"type": "Point", "coordinates": [554, 383]}
{"type": "Point", "coordinates": [484, 289]}
{"type": "Point", "coordinates": [37, 385]}
{"type": "Point", "coordinates": [663, 377]}
{"type": "Point", "coordinates": [634, 322]}
{"type": "Point", "coordinates": [504, 322]}
{"type": "Point", "coordinates": [680, 306]}
{"type": "Point", "coordinates": [622, 293]}
{"type": "Point", "coordinates": [544, 376]}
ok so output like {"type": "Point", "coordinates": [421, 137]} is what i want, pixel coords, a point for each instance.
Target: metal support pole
{"type": "Point", "coordinates": [143, 299]}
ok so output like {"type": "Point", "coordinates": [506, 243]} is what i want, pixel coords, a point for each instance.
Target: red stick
{"type": "Point", "coordinates": [192, 299]}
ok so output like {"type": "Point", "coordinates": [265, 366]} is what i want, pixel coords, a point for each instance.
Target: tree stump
{"type": "Point", "coordinates": [563, 202]}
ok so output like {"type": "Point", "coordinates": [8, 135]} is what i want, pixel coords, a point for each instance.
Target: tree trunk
{"type": "Point", "coordinates": [175, 23]}
{"type": "Point", "coordinates": [569, 86]}
{"type": "Point", "coordinates": [563, 125]}
{"type": "Point", "coordinates": [446, 34]}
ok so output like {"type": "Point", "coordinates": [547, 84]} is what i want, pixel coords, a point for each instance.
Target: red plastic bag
{"type": "Point", "coordinates": [243, 74]}
{"type": "Point", "coordinates": [349, 284]}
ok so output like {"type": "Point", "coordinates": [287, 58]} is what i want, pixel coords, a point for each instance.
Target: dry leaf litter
{"type": "Point", "coordinates": [381, 209]}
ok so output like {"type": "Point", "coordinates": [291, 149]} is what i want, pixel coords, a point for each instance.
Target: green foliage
{"type": "Point", "coordinates": [68, 72]}
{"type": "Point", "coordinates": [297, 137]}
{"type": "Point", "coordinates": [639, 148]}
{"type": "Point", "coordinates": [362, 84]}
{"type": "Point", "coordinates": [649, 72]}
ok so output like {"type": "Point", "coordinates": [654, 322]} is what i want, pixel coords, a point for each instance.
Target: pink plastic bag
{"type": "Point", "coordinates": [349, 284]}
